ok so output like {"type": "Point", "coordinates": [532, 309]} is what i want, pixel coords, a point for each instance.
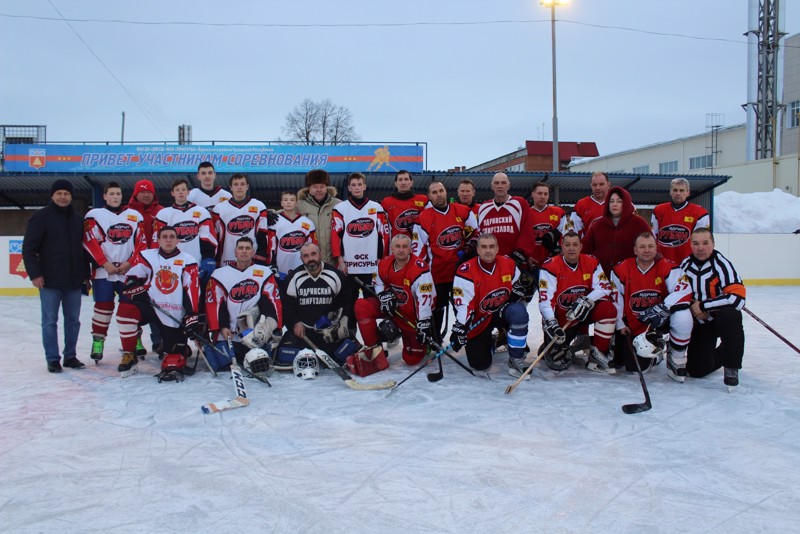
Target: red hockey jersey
{"type": "Point", "coordinates": [412, 284]}
{"type": "Point", "coordinates": [539, 223]}
{"type": "Point", "coordinates": [438, 237]}
{"type": "Point", "coordinates": [506, 221]}
{"type": "Point", "coordinates": [403, 213]}
{"type": "Point", "coordinates": [585, 211]}
{"type": "Point", "coordinates": [480, 290]}
{"type": "Point", "coordinates": [673, 228]}
{"type": "Point", "coordinates": [560, 285]}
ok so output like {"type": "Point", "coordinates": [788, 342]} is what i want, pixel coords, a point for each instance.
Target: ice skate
{"type": "Point", "coordinates": [517, 367]}
{"type": "Point", "coordinates": [128, 366]}
{"type": "Point", "coordinates": [599, 362]}
{"type": "Point", "coordinates": [731, 378]}
{"type": "Point", "coordinates": [98, 343]}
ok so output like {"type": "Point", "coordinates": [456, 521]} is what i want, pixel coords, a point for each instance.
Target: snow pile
{"type": "Point", "coordinates": [776, 212]}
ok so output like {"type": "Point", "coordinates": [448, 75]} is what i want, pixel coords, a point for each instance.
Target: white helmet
{"type": "Point", "coordinates": [649, 345]}
{"type": "Point", "coordinates": [305, 364]}
{"type": "Point", "coordinates": [257, 361]}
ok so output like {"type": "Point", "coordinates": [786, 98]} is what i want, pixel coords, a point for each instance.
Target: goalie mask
{"type": "Point", "coordinates": [257, 361]}
{"type": "Point", "coordinates": [306, 365]}
{"type": "Point", "coordinates": [648, 345]}
{"type": "Point", "coordinates": [558, 359]}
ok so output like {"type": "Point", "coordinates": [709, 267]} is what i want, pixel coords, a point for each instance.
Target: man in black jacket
{"type": "Point", "coordinates": [53, 255]}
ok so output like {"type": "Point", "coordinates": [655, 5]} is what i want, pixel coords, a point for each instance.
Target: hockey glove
{"type": "Point", "coordinates": [424, 331]}
{"type": "Point", "coordinates": [468, 252]}
{"type": "Point", "coordinates": [520, 258]}
{"type": "Point", "coordinates": [550, 241]}
{"type": "Point", "coordinates": [580, 310]}
{"type": "Point", "coordinates": [191, 323]}
{"type": "Point", "coordinates": [554, 331]}
{"type": "Point", "coordinates": [388, 301]}
{"type": "Point", "coordinates": [207, 267]}
{"type": "Point", "coordinates": [523, 288]}
{"type": "Point", "coordinates": [655, 316]}
{"type": "Point", "coordinates": [272, 217]}
{"type": "Point", "coordinates": [458, 336]}
{"type": "Point", "coordinates": [135, 289]}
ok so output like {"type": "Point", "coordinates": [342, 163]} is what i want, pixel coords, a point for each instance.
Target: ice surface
{"type": "Point", "coordinates": [86, 451]}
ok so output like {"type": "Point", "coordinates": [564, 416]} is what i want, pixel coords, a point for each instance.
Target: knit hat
{"type": "Point", "coordinates": [143, 185]}
{"type": "Point", "coordinates": [61, 185]}
{"type": "Point", "coordinates": [317, 176]}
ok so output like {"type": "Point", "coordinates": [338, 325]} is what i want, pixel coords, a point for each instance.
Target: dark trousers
{"type": "Point", "coordinates": [704, 356]}
{"type": "Point", "coordinates": [444, 293]}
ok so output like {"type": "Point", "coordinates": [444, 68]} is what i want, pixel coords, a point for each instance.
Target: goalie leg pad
{"type": "Point", "coordinates": [368, 361]}
{"type": "Point", "coordinates": [347, 347]}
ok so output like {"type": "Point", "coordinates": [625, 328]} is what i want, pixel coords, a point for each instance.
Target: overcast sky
{"type": "Point", "coordinates": [407, 70]}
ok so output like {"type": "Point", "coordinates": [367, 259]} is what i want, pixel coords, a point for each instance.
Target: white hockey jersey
{"type": "Point", "coordinates": [231, 292]}
{"type": "Point", "coordinates": [286, 238]}
{"type": "Point", "coordinates": [208, 199]}
{"type": "Point", "coordinates": [112, 237]}
{"type": "Point", "coordinates": [360, 235]}
{"type": "Point", "coordinates": [193, 225]}
{"type": "Point", "coordinates": [233, 220]}
{"type": "Point", "coordinates": [172, 282]}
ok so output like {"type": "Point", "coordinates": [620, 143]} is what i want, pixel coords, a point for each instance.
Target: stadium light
{"type": "Point", "coordinates": [552, 5]}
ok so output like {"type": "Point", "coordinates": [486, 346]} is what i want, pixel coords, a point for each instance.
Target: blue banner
{"type": "Point", "coordinates": [226, 158]}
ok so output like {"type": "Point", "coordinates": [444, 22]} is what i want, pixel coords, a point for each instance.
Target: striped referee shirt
{"type": "Point", "coordinates": [715, 282]}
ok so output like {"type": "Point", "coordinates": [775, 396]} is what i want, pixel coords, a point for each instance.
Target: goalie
{"type": "Point", "coordinates": [243, 303]}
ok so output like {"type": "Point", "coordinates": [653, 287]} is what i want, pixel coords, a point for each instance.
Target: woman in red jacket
{"type": "Point", "coordinates": [611, 237]}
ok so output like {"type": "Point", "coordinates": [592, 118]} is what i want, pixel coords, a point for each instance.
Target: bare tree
{"type": "Point", "coordinates": [320, 122]}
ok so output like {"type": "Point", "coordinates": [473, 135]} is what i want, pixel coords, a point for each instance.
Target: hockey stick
{"type": "Point", "coordinates": [768, 327]}
{"type": "Point", "coordinates": [344, 375]}
{"type": "Point", "coordinates": [240, 400]}
{"type": "Point", "coordinates": [233, 357]}
{"type": "Point", "coordinates": [433, 377]}
{"type": "Point", "coordinates": [541, 354]}
{"type": "Point", "coordinates": [646, 405]}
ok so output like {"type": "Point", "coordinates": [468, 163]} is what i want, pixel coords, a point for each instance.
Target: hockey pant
{"type": "Point", "coordinates": [704, 356]}
{"type": "Point", "coordinates": [130, 315]}
{"type": "Point", "coordinates": [103, 292]}
{"type": "Point", "coordinates": [515, 321]}
{"type": "Point", "coordinates": [368, 311]}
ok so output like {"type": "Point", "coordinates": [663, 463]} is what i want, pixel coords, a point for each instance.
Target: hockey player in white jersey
{"type": "Point", "coordinates": [291, 231]}
{"type": "Point", "coordinates": [112, 235]}
{"type": "Point", "coordinates": [243, 303]}
{"type": "Point", "coordinates": [209, 194]}
{"type": "Point", "coordinates": [241, 216]}
{"type": "Point", "coordinates": [169, 278]}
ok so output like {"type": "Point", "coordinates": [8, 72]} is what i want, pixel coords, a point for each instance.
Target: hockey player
{"type": "Point", "coordinates": [574, 290]}
{"type": "Point", "coordinates": [718, 298]}
{"type": "Point", "coordinates": [443, 235]}
{"type": "Point", "coordinates": [288, 234]}
{"type": "Point", "coordinates": [587, 209]}
{"type": "Point", "coordinates": [547, 224]}
{"type": "Point", "coordinates": [506, 218]}
{"type": "Point", "coordinates": [195, 228]}
{"type": "Point", "coordinates": [241, 216]}
{"type": "Point", "coordinates": [673, 222]}
{"type": "Point", "coordinates": [359, 233]}
{"type": "Point", "coordinates": [208, 194]}
{"type": "Point", "coordinates": [112, 236]}
{"type": "Point", "coordinates": [168, 278]}
{"type": "Point", "coordinates": [240, 297]}
{"type": "Point", "coordinates": [317, 302]}
{"type": "Point", "coordinates": [486, 295]}
{"type": "Point", "coordinates": [403, 206]}
{"type": "Point", "coordinates": [403, 284]}
{"type": "Point", "coordinates": [316, 201]}
{"type": "Point", "coordinates": [652, 293]}
{"type": "Point", "coordinates": [466, 195]}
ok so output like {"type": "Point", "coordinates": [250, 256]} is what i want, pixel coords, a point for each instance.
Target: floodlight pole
{"type": "Point", "coordinates": [556, 161]}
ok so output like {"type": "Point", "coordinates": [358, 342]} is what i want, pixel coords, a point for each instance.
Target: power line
{"type": "Point", "coordinates": [107, 68]}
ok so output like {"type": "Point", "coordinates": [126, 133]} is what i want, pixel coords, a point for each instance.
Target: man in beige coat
{"type": "Point", "coordinates": [316, 201]}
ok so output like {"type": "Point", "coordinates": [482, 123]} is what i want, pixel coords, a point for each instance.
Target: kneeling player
{"type": "Point", "coordinates": [241, 299]}
{"type": "Point", "coordinates": [653, 295]}
{"type": "Point", "coordinates": [163, 286]}
{"type": "Point", "coordinates": [403, 285]}
{"type": "Point", "coordinates": [486, 295]}
{"type": "Point", "coordinates": [574, 292]}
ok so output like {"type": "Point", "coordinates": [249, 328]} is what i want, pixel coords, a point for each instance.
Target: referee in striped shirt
{"type": "Point", "coordinates": [719, 296]}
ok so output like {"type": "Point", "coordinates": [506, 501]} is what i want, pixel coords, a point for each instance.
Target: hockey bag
{"type": "Point", "coordinates": [368, 361]}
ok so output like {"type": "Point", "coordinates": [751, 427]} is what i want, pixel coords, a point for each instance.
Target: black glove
{"type": "Point", "coordinates": [520, 258]}
{"type": "Point", "coordinates": [655, 316]}
{"type": "Point", "coordinates": [552, 329]}
{"type": "Point", "coordinates": [135, 289]}
{"type": "Point", "coordinates": [458, 336]}
{"type": "Point", "coordinates": [272, 217]}
{"type": "Point", "coordinates": [388, 301]}
{"type": "Point", "coordinates": [550, 241]}
{"type": "Point", "coordinates": [424, 331]}
{"type": "Point", "coordinates": [191, 323]}
{"type": "Point", "coordinates": [580, 310]}
{"type": "Point", "coordinates": [469, 251]}
{"type": "Point", "coordinates": [524, 287]}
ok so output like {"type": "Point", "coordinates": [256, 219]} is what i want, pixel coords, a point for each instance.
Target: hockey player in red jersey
{"type": "Point", "coordinates": [443, 234]}
{"type": "Point", "coordinates": [241, 299]}
{"type": "Point", "coordinates": [673, 222]}
{"type": "Point", "coordinates": [290, 232]}
{"type": "Point", "coordinates": [587, 209]}
{"type": "Point", "coordinates": [208, 194]}
{"type": "Point", "coordinates": [241, 216]}
{"type": "Point", "coordinates": [403, 206]}
{"type": "Point", "coordinates": [574, 290]}
{"type": "Point", "coordinates": [466, 195]}
{"type": "Point", "coordinates": [652, 294]}
{"type": "Point", "coordinates": [169, 278]}
{"type": "Point", "coordinates": [359, 233]}
{"type": "Point", "coordinates": [506, 218]}
{"type": "Point", "coordinates": [112, 236]}
{"type": "Point", "coordinates": [547, 224]}
{"type": "Point", "coordinates": [195, 228]}
{"type": "Point", "coordinates": [403, 284]}
{"type": "Point", "coordinates": [486, 295]}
